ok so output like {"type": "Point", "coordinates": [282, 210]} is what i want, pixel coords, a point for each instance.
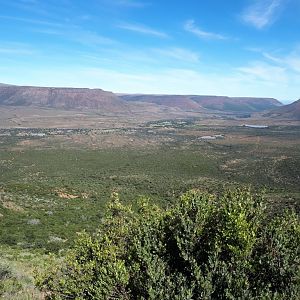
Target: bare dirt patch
{"type": "Point", "coordinates": [65, 195]}
{"type": "Point", "coordinates": [12, 206]}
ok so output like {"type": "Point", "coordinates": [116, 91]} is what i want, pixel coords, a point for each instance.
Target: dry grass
{"type": "Point", "coordinates": [18, 283]}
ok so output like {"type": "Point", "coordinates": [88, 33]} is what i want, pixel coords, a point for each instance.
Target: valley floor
{"type": "Point", "coordinates": [55, 180]}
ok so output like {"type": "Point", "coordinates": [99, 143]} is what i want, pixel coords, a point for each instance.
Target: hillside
{"type": "Point", "coordinates": [67, 98]}
{"type": "Point", "coordinates": [184, 103]}
{"type": "Point", "coordinates": [108, 102]}
{"type": "Point", "coordinates": [202, 103]}
{"type": "Point", "coordinates": [290, 111]}
{"type": "Point", "coordinates": [237, 104]}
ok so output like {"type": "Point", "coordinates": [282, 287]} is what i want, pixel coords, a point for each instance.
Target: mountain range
{"type": "Point", "coordinates": [199, 103]}
{"type": "Point", "coordinates": [108, 102]}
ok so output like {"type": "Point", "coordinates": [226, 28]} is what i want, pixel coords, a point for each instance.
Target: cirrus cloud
{"type": "Point", "coordinates": [191, 27]}
{"type": "Point", "coordinates": [143, 30]}
{"type": "Point", "coordinates": [262, 13]}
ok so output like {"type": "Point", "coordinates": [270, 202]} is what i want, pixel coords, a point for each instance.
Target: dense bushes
{"type": "Point", "coordinates": [205, 247]}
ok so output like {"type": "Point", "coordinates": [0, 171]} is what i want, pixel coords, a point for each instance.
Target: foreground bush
{"type": "Point", "coordinates": [205, 247]}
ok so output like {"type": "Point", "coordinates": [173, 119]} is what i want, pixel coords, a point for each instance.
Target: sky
{"type": "Point", "coordinates": [215, 47]}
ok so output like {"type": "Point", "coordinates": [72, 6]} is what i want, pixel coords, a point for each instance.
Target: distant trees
{"type": "Point", "coordinates": [205, 247]}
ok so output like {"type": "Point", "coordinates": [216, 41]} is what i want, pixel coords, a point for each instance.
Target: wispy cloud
{"type": "Point", "coordinates": [32, 21]}
{"type": "Point", "coordinates": [90, 38]}
{"type": "Point", "coordinates": [78, 35]}
{"type": "Point", "coordinates": [266, 72]}
{"type": "Point", "coordinates": [290, 61]}
{"type": "Point", "coordinates": [190, 26]}
{"type": "Point", "coordinates": [179, 54]}
{"type": "Point", "coordinates": [128, 56]}
{"type": "Point", "coordinates": [143, 30]}
{"type": "Point", "coordinates": [262, 13]}
{"type": "Point", "coordinates": [272, 58]}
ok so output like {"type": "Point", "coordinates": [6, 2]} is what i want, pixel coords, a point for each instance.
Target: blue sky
{"type": "Point", "coordinates": [217, 47]}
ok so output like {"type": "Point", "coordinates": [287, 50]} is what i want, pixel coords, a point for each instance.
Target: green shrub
{"type": "Point", "coordinates": [205, 247]}
{"type": "Point", "coordinates": [9, 284]}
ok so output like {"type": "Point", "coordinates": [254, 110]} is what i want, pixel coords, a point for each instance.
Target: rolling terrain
{"type": "Point", "coordinates": [204, 103]}
{"type": "Point", "coordinates": [290, 111]}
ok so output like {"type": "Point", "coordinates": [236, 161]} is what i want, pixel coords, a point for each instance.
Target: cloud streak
{"type": "Point", "coordinates": [78, 35]}
{"type": "Point", "coordinates": [179, 54]}
{"type": "Point", "coordinates": [262, 13]}
{"type": "Point", "coordinates": [138, 28]}
{"type": "Point", "coordinates": [265, 72]}
{"type": "Point", "coordinates": [290, 61]}
{"type": "Point", "coordinates": [32, 21]}
{"type": "Point", "coordinates": [191, 27]}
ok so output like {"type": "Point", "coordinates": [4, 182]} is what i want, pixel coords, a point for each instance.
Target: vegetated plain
{"type": "Point", "coordinates": [55, 182]}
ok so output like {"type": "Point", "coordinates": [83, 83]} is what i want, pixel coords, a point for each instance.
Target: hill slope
{"type": "Point", "coordinates": [290, 111]}
{"type": "Point", "coordinates": [202, 103]}
{"type": "Point", "coordinates": [184, 103]}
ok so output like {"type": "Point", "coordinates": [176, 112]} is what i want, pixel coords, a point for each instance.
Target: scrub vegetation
{"type": "Point", "coordinates": [203, 247]}
{"type": "Point", "coordinates": [56, 183]}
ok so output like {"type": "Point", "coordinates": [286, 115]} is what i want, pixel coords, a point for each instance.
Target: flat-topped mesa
{"type": "Point", "coordinates": [67, 98]}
